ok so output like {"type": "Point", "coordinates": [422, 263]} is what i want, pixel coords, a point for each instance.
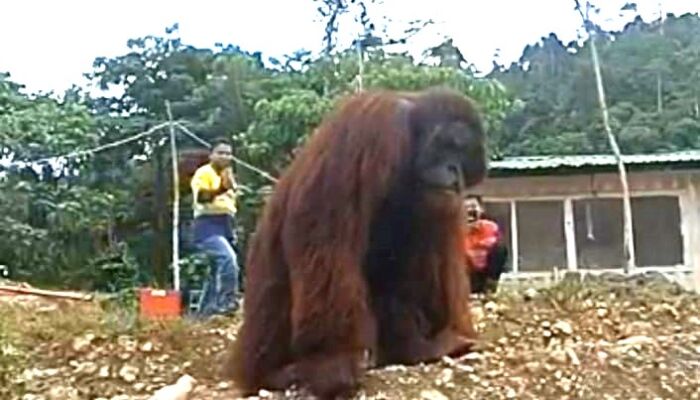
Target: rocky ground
{"type": "Point", "coordinates": [606, 339]}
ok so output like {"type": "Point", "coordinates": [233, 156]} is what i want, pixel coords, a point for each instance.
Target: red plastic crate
{"type": "Point", "coordinates": [160, 304]}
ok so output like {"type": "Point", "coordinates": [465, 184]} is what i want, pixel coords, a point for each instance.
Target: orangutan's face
{"type": "Point", "coordinates": [454, 158]}
{"type": "Point", "coordinates": [449, 139]}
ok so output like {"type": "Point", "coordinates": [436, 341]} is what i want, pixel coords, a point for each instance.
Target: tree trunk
{"type": "Point", "coordinates": [627, 204]}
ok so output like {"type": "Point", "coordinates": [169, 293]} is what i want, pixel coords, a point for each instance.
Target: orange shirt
{"type": "Point", "coordinates": [478, 239]}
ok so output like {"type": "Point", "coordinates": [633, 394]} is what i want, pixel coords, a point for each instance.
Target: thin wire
{"type": "Point", "coordinates": [93, 150]}
{"type": "Point", "coordinates": [133, 138]}
{"type": "Point", "coordinates": [194, 137]}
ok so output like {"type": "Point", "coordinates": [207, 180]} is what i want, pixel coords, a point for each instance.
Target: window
{"type": "Point", "coordinates": [599, 233]}
{"type": "Point", "coordinates": [657, 231]}
{"type": "Point", "coordinates": [541, 241]}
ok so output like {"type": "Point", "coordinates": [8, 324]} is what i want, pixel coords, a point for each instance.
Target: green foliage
{"type": "Point", "coordinates": [270, 144]}
{"type": "Point", "coordinates": [53, 221]}
{"type": "Point", "coordinates": [650, 73]}
{"type": "Point", "coordinates": [39, 126]}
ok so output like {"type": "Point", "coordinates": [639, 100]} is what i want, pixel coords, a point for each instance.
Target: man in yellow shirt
{"type": "Point", "coordinates": [213, 187]}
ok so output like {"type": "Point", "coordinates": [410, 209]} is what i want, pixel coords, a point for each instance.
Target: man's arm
{"type": "Point", "coordinates": [201, 188]}
{"type": "Point", "coordinates": [228, 179]}
{"type": "Point", "coordinates": [207, 196]}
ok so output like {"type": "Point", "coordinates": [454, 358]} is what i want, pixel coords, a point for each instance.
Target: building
{"type": "Point", "coordinates": [566, 213]}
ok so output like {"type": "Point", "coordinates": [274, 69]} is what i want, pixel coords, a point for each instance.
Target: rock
{"type": "Point", "coordinates": [104, 372]}
{"type": "Point", "coordinates": [63, 393]}
{"type": "Point", "coordinates": [564, 328]}
{"type": "Point", "coordinates": [671, 310]}
{"type": "Point", "coordinates": [395, 368]}
{"type": "Point", "coordinates": [82, 343]}
{"type": "Point", "coordinates": [163, 358]}
{"type": "Point", "coordinates": [636, 341]}
{"type": "Point", "coordinates": [86, 368]}
{"type": "Point", "coordinates": [180, 390]}
{"type": "Point", "coordinates": [432, 394]}
{"type": "Point", "coordinates": [533, 367]}
{"type": "Point", "coordinates": [693, 320]}
{"type": "Point", "coordinates": [530, 294]}
{"type": "Point", "coordinates": [471, 357]}
{"type": "Point", "coordinates": [128, 373]}
{"type": "Point", "coordinates": [139, 386]}
{"type": "Point", "coordinates": [445, 377]}
{"type": "Point", "coordinates": [127, 343]}
{"type": "Point", "coordinates": [565, 384]}
{"type": "Point", "coordinates": [448, 360]}
{"type": "Point", "coordinates": [559, 356]}
{"type": "Point", "coordinates": [223, 385]}
{"type": "Point", "coordinates": [493, 374]}
{"type": "Point", "coordinates": [34, 373]}
{"type": "Point", "coordinates": [147, 347]}
{"type": "Point", "coordinates": [573, 357]}
{"type": "Point", "coordinates": [637, 328]}
{"type": "Point", "coordinates": [490, 307]}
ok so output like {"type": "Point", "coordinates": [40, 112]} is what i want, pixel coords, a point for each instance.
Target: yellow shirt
{"type": "Point", "coordinates": [207, 178]}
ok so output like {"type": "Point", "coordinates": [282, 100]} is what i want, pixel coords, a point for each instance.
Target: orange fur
{"type": "Point", "coordinates": [320, 290]}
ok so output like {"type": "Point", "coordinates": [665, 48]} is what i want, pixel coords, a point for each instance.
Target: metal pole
{"type": "Point", "coordinates": [176, 200]}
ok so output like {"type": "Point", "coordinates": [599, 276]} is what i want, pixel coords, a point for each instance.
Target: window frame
{"type": "Point", "coordinates": [681, 196]}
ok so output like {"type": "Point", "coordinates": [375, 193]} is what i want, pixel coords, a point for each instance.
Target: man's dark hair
{"type": "Point", "coordinates": [219, 141]}
{"type": "Point", "coordinates": [476, 197]}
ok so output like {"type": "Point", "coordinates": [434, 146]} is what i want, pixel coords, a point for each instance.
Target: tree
{"type": "Point", "coordinates": [55, 228]}
{"type": "Point", "coordinates": [558, 109]}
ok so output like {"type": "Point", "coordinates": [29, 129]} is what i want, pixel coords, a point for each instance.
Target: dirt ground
{"type": "Point", "coordinates": [600, 339]}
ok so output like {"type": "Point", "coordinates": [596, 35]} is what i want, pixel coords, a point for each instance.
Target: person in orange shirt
{"type": "Point", "coordinates": [485, 253]}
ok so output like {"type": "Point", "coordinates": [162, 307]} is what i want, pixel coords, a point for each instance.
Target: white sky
{"type": "Point", "coordinates": [48, 44]}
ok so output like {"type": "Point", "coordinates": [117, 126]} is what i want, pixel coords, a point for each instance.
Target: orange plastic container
{"type": "Point", "coordinates": [160, 304]}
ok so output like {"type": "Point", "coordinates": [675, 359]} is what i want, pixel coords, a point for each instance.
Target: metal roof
{"type": "Point", "coordinates": [544, 163]}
